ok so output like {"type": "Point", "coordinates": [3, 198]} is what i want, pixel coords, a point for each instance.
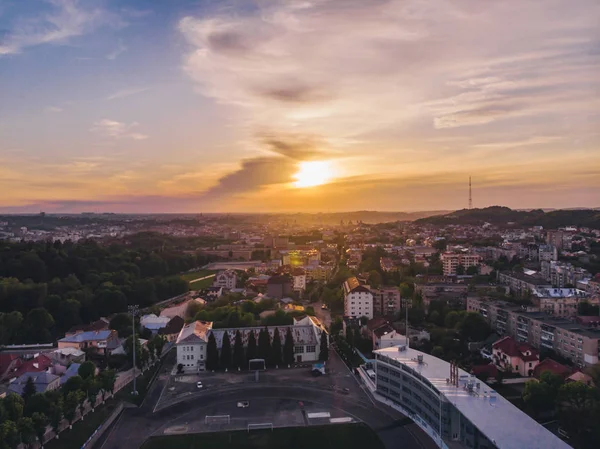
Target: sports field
{"type": "Point", "coordinates": [343, 436]}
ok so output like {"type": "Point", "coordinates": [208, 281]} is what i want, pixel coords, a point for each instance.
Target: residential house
{"type": "Point", "coordinates": [553, 366]}
{"type": "Point", "coordinates": [66, 356]}
{"type": "Point", "coordinates": [191, 345]}
{"type": "Point", "coordinates": [98, 342]}
{"type": "Point", "coordinates": [42, 381]}
{"type": "Point", "coordinates": [226, 279]}
{"type": "Point", "coordinates": [99, 325]}
{"type": "Point", "coordinates": [172, 329]}
{"type": "Point", "coordinates": [210, 294]}
{"type": "Point", "coordinates": [509, 355]}
{"type": "Point", "coordinates": [358, 299]}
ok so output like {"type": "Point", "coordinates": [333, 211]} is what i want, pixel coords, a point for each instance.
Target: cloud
{"type": "Point", "coordinates": [66, 19]}
{"type": "Point", "coordinates": [117, 51]}
{"type": "Point", "coordinates": [118, 130]}
{"type": "Point", "coordinates": [349, 68]}
{"type": "Point", "coordinates": [127, 92]}
{"type": "Point", "coordinates": [54, 109]}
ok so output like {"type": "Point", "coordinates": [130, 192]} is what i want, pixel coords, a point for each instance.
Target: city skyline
{"type": "Point", "coordinates": [323, 105]}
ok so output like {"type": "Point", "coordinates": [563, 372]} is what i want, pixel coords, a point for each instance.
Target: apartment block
{"type": "Point", "coordinates": [561, 302]}
{"type": "Point", "coordinates": [386, 301]}
{"type": "Point", "coordinates": [451, 261]}
{"type": "Point", "coordinates": [569, 339]}
{"type": "Point", "coordinates": [561, 274]}
{"type": "Point", "coordinates": [522, 282]}
{"type": "Point", "coordinates": [358, 299]}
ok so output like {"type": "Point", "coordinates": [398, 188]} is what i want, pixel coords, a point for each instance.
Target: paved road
{"type": "Point", "coordinates": [323, 315]}
{"type": "Point", "coordinates": [202, 278]}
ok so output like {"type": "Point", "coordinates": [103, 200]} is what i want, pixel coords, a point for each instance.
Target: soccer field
{"type": "Point", "coordinates": [346, 436]}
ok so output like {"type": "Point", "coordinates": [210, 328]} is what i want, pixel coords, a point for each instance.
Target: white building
{"type": "Point", "coordinates": [358, 299]}
{"type": "Point", "coordinates": [153, 322]}
{"type": "Point", "coordinates": [225, 279]}
{"type": "Point", "coordinates": [193, 338]}
{"type": "Point", "coordinates": [451, 261]}
{"type": "Point", "coordinates": [299, 277]}
{"type": "Point", "coordinates": [191, 345]}
{"type": "Point", "coordinates": [386, 337]}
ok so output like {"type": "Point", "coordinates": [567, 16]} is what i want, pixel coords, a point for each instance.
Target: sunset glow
{"type": "Point", "coordinates": [313, 173]}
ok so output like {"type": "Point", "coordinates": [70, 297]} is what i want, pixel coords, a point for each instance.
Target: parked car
{"type": "Point", "coordinates": [199, 385]}
{"type": "Point", "coordinates": [243, 404]}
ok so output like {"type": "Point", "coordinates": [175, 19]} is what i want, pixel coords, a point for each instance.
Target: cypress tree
{"type": "Point", "coordinates": [238, 351]}
{"type": "Point", "coordinates": [276, 349]}
{"type": "Point", "coordinates": [264, 345]}
{"type": "Point", "coordinates": [251, 350]}
{"type": "Point", "coordinates": [324, 349]}
{"type": "Point", "coordinates": [226, 352]}
{"type": "Point", "coordinates": [212, 353]}
{"type": "Point", "coordinates": [288, 348]}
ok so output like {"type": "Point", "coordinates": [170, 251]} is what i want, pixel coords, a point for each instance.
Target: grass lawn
{"type": "Point", "coordinates": [82, 430]}
{"type": "Point", "coordinates": [343, 436]}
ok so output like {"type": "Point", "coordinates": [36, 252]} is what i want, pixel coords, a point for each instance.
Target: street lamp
{"type": "Point", "coordinates": [134, 310]}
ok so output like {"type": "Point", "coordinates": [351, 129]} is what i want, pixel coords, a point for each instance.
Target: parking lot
{"type": "Point", "coordinates": [184, 386]}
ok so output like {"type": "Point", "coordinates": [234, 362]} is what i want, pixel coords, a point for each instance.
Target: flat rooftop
{"type": "Point", "coordinates": [500, 421]}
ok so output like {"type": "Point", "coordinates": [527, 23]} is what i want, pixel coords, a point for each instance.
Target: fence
{"type": "Point", "coordinates": [103, 427]}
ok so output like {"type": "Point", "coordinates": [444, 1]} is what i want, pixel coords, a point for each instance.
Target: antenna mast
{"type": "Point", "coordinates": [470, 196]}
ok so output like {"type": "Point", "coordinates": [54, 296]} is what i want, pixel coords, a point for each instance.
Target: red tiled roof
{"type": "Point", "coordinates": [552, 366]}
{"type": "Point", "coordinates": [513, 349]}
{"type": "Point", "coordinates": [35, 365]}
{"type": "Point", "coordinates": [490, 370]}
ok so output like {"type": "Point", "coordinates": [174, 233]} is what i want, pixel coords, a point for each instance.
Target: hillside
{"type": "Point", "coordinates": [502, 216]}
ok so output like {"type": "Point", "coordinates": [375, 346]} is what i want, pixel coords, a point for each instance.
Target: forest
{"type": "Point", "coordinates": [48, 287]}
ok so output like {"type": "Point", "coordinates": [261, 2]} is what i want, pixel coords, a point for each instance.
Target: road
{"type": "Point", "coordinates": [271, 400]}
{"type": "Point", "coordinates": [323, 315]}
{"type": "Point", "coordinates": [201, 279]}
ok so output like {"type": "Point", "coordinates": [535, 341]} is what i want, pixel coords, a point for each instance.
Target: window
{"type": "Point", "coordinates": [192, 357]}
{"type": "Point", "coordinates": [299, 350]}
{"type": "Point", "coordinates": [311, 348]}
{"type": "Point", "coordinates": [201, 357]}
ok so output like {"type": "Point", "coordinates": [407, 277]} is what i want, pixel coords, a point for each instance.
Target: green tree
{"type": "Point", "coordinates": [435, 317]}
{"type": "Point", "coordinates": [537, 397]}
{"type": "Point", "coordinates": [72, 404]}
{"type": "Point", "coordinates": [238, 351]}
{"type": "Point", "coordinates": [159, 344]}
{"type": "Point", "coordinates": [212, 353]}
{"type": "Point", "coordinates": [26, 430]}
{"type": "Point", "coordinates": [29, 389]}
{"type": "Point", "coordinates": [350, 337]}
{"type": "Point", "coordinates": [87, 370]}
{"type": "Point", "coordinates": [40, 403]}
{"type": "Point", "coordinates": [38, 326]}
{"type": "Point", "coordinates": [288, 348]}
{"type": "Point", "coordinates": [74, 383]}
{"type": "Point", "coordinates": [579, 407]}
{"type": "Point", "coordinates": [264, 345]}
{"type": "Point", "coordinates": [452, 319]}
{"type": "Point", "coordinates": [56, 414]}
{"type": "Point", "coordinates": [276, 354]}
{"type": "Point", "coordinates": [472, 270]}
{"type": "Point", "coordinates": [226, 352]}
{"type": "Point", "coordinates": [40, 421]}
{"type": "Point", "coordinates": [460, 270]}
{"type": "Point", "coordinates": [251, 350]}
{"type": "Point", "coordinates": [438, 352]}
{"type": "Point", "coordinates": [10, 325]}
{"type": "Point", "coordinates": [324, 347]}
{"type": "Point", "coordinates": [374, 278]}
{"type": "Point", "coordinates": [474, 327]}
{"type": "Point", "coordinates": [9, 435]}
{"type": "Point", "coordinates": [107, 380]}
{"type": "Point", "coordinates": [13, 405]}
{"type": "Point", "coordinates": [93, 389]}
{"type": "Point", "coordinates": [336, 326]}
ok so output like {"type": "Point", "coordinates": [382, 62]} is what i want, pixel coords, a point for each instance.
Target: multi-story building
{"type": "Point", "coordinates": [561, 274]}
{"type": "Point", "coordinates": [547, 253]}
{"type": "Point", "coordinates": [318, 273]}
{"type": "Point", "coordinates": [193, 339]}
{"type": "Point", "coordinates": [299, 280]}
{"type": "Point", "coordinates": [562, 302]}
{"type": "Point", "coordinates": [453, 407]}
{"type": "Point", "coordinates": [451, 261]}
{"type": "Point", "coordinates": [386, 301]}
{"type": "Point", "coordinates": [226, 279]}
{"type": "Point", "coordinates": [569, 339]}
{"type": "Point", "coordinates": [97, 342]}
{"type": "Point", "coordinates": [358, 299]}
{"type": "Point", "coordinates": [556, 238]}
{"type": "Point", "coordinates": [279, 286]}
{"type": "Point", "coordinates": [522, 283]}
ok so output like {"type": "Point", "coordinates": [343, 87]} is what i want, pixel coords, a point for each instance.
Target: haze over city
{"type": "Point", "coordinates": [236, 106]}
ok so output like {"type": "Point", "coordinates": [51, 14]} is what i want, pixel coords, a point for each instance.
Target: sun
{"type": "Point", "coordinates": [313, 173]}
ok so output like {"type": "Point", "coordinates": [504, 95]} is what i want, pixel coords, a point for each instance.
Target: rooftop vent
{"type": "Point", "coordinates": [401, 348]}
{"type": "Point", "coordinates": [420, 359]}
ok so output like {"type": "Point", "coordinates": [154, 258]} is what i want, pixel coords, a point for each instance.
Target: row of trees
{"type": "Point", "coordinates": [46, 288]}
{"type": "Point", "coordinates": [24, 419]}
{"type": "Point", "coordinates": [234, 356]}
{"type": "Point", "coordinates": [575, 404]}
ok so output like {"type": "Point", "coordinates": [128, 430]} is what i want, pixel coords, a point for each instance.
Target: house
{"type": "Point", "coordinates": [225, 279]}
{"type": "Point", "coordinates": [358, 299]}
{"type": "Point", "coordinates": [36, 364]}
{"type": "Point", "coordinates": [43, 382]}
{"type": "Point", "coordinates": [552, 366]}
{"type": "Point", "coordinates": [66, 356]}
{"type": "Point", "coordinates": [386, 336]}
{"type": "Point", "coordinates": [578, 376]}
{"type": "Point", "coordinates": [191, 345]}
{"type": "Point", "coordinates": [99, 325]}
{"type": "Point", "coordinates": [99, 342]}
{"type": "Point", "coordinates": [211, 294]}
{"type": "Point", "coordinates": [299, 279]}
{"type": "Point", "coordinates": [72, 370]}
{"type": "Point", "coordinates": [8, 363]}
{"type": "Point", "coordinates": [279, 286]}
{"type": "Point", "coordinates": [509, 355]}
{"type": "Point", "coordinates": [172, 329]}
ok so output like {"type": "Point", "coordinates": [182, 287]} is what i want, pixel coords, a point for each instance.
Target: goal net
{"type": "Point", "coordinates": [217, 419]}
{"type": "Point", "coordinates": [258, 426]}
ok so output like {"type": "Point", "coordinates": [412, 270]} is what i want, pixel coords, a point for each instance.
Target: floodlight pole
{"type": "Point", "coordinates": [133, 309]}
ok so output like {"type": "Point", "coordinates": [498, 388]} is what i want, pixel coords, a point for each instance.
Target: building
{"type": "Point", "coordinates": [43, 382]}
{"type": "Point", "coordinates": [66, 356]}
{"type": "Point", "coordinates": [98, 342]}
{"type": "Point", "coordinates": [192, 341]}
{"type": "Point", "coordinates": [451, 262]}
{"type": "Point", "coordinates": [453, 407]}
{"type": "Point", "coordinates": [386, 301]}
{"type": "Point", "coordinates": [172, 329]}
{"type": "Point", "coordinates": [318, 273]}
{"type": "Point", "coordinates": [358, 299]}
{"type": "Point", "coordinates": [226, 279]}
{"type": "Point", "coordinates": [210, 294]}
{"type": "Point", "coordinates": [513, 357]}
{"type": "Point", "coordinates": [299, 280]}
{"type": "Point", "coordinates": [180, 309]}
{"type": "Point", "coordinates": [554, 367]}
{"type": "Point", "coordinates": [547, 253]}
{"type": "Point", "coordinates": [556, 238]}
{"type": "Point", "coordinates": [569, 339]}
{"type": "Point", "coordinates": [153, 323]}
{"type": "Point", "coordinates": [561, 302]}
{"type": "Point", "coordinates": [191, 345]}
{"type": "Point", "coordinates": [562, 275]}
{"type": "Point", "coordinates": [522, 283]}
{"type": "Point", "coordinates": [387, 264]}
{"type": "Point", "coordinates": [386, 336]}
{"type": "Point", "coordinates": [279, 286]}
{"type": "Point", "coordinates": [99, 325]}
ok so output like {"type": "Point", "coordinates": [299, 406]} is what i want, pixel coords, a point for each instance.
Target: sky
{"type": "Point", "coordinates": [307, 105]}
